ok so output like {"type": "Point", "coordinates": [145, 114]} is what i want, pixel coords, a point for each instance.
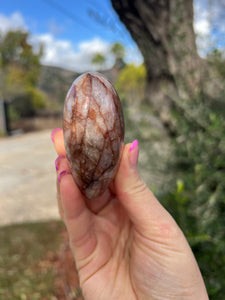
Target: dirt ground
{"type": "Point", "coordinates": [27, 178]}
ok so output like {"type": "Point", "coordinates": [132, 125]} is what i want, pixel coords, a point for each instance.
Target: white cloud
{"type": "Point", "coordinates": [13, 22]}
{"type": "Point", "coordinates": [62, 53]}
{"type": "Point", "coordinates": [202, 26]}
{"type": "Point", "coordinates": [201, 18]}
{"type": "Point", "coordinates": [209, 24]}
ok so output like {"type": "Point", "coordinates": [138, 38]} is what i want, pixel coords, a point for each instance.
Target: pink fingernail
{"type": "Point", "coordinates": [57, 161]}
{"type": "Point", "coordinates": [133, 154]}
{"type": "Point", "coordinates": [61, 174]}
{"type": "Point", "coordinates": [133, 145]}
{"type": "Point", "coordinates": [53, 132]}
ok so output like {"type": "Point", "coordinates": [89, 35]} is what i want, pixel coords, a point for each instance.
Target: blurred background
{"type": "Point", "coordinates": [167, 62]}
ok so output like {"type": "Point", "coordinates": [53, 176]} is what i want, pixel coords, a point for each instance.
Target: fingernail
{"type": "Point", "coordinates": [61, 174]}
{"type": "Point", "coordinates": [53, 132]}
{"type": "Point", "coordinates": [57, 161]}
{"type": "Point", "coordinates": [133, 145]}
{"type": "Point", "coordinates": [133, 154]}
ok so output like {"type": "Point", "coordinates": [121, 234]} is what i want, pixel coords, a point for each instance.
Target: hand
{"type": "Point", "coordinates": [125, 244]}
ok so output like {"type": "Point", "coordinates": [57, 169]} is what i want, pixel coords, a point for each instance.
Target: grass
{"type": "Point", "coordinates": [27, 256]}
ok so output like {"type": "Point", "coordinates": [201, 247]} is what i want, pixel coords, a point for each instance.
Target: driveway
{"type": "Point", "coordinates": [27, 178]}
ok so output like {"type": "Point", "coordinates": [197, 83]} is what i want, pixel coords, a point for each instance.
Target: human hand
{"type": "Point", "coordinates": [125, 244]}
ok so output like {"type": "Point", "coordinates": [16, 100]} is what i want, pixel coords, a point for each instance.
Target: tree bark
{"type": "Point", "coordinates": [163, 31]}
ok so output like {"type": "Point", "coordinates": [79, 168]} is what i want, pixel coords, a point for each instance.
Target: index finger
{"type": "Point", "coordinates": [58, 141]}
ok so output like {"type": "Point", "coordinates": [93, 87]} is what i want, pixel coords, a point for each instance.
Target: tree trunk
{"type": "Point", "coordinates": [163, 31]}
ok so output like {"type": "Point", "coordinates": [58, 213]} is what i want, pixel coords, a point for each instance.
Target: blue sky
{"type": "Point", "coordinates": [74, 20]}
{"type": "Point", "coordinates": [73, 31]}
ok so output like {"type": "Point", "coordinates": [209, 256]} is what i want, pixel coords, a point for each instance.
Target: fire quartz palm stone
{"type": "Point", "coordinates": [93, 132]}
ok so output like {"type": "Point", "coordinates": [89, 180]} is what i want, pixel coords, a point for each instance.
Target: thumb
{"type": "Point", "coordinates": [144, 210]}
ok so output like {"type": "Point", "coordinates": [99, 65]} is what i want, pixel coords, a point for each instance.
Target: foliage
{"type": "Point", "coordinates": [217, 60]}
{"type": "Point", "coordinates": [19, 73]}
{"type": "Point", "coordinates": [27, 103]}
{"type": "Point", "coordinates": [118, 50]}
{"type": "Point", "coordinates": [98, 59]}
{"type": "Point", "coordinates": [197, 195]}
{"type": "Point", "coordinates": [131, 82]}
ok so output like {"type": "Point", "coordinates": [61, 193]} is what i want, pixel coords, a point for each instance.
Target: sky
{"type": "Point", "coordinates": [73, 31]}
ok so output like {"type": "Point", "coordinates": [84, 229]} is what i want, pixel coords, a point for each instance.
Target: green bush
{"type": "Point", "coordinates": [131, 83]}
{"type": "Point", "coordinates": [37, 97]}
{"type": "Point", "coordinates": [26, 105]}
{"type": "Point", "coordinates": [197, 195]}
{"type": "Point", "coordinates": [20, 69]}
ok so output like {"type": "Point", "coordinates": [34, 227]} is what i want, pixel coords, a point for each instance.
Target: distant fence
{"type": "Point", "coordinates": [4, 117]}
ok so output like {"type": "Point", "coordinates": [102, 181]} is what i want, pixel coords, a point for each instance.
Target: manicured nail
{"type": "Point", "coordinates": [57, 161]}
{"type": "Point", "coordinates": [53, 132]}
{"type": "Point", "coordinates": [133, 145]}
{"type": "Point", "coordinates": [133, 154]}
{"type": "Point", "coordinates": [61, 174]}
